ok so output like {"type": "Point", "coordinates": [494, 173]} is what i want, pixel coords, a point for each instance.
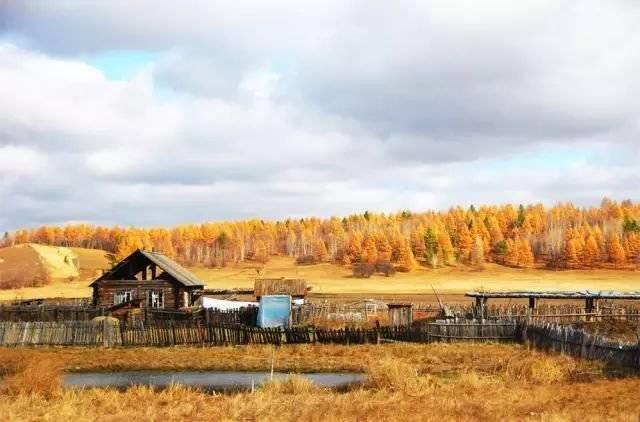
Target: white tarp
{"type": "Point", "coordinates": [225, 305]}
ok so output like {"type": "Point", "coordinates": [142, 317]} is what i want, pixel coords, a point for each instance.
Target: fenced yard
{"type": "Point", "coordinates": [67, 325]}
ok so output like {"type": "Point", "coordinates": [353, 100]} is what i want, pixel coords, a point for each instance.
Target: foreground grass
{"type": "Point", "coordinates": [405, 382]}
{"type": "Point", "coordinates": [436, 359]}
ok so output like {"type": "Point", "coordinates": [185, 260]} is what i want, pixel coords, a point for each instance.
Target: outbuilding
{"type": "Point", "coordinates": [296, 288]}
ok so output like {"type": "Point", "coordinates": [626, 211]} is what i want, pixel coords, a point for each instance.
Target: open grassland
{"type": "Point", "coordinates": [330, 279]}
{"type": "Point", "coordinates": [405, 382]}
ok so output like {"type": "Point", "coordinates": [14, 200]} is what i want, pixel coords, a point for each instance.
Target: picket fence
{"type": "Point", "coordinates": [110, 332]}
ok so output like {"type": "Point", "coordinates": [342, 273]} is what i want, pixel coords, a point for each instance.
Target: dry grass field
{"type": "Point", "coordinates": [461, 382]}
{"type": "Point", "coordinates": [331, 280]}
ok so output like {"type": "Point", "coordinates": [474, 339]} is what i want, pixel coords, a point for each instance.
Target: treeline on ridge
{"type": "Point", "coordinates": [563, 236]}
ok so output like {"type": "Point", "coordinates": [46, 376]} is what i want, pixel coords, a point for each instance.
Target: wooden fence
{"type": "Point", "coordinates": [578, 343]}
{"type": "Point", "coordinates": [558, 313]}
{"type": "Point", "coordinates": [48, 313]}
{"type": "Point", "coordinates": [110, 332]}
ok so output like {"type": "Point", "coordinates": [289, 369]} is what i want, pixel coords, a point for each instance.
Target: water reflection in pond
{"type": "Point", "coordinates": [206, 380]}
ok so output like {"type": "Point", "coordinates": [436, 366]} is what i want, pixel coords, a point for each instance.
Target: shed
{"type": "Point", "coordinates": [400, 314]}
{"type": "Point", "coordinates": [146, 279]}
{"type": "Point", "coordinates": [296, 288]}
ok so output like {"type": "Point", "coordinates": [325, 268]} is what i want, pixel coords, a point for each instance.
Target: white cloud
{"type": "Point", "coordinates": [276, 109]}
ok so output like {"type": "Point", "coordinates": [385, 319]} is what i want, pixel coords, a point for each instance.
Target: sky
{"type": "Point", "coordinates": [161, 112]}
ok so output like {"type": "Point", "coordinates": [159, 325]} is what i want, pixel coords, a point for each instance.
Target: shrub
{"type": "Point", "coordinates": [363, 269]}
{"type": "Point", "coordinates": [307, 260]}
{"type": "Point", "coordinates": [385, 267]}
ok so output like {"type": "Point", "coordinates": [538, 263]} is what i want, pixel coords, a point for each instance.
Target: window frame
{"type": "Point", "coordinates": [123, 296]}
{"type": "Point", "coordinates": [156, 302]}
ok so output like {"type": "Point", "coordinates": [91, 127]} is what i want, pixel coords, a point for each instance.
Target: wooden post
{"type": "Point", "coordinates": [532, 307]}
{"type": "Point", "coordinates": [480, 305]}
{"type": "Point", "coordinates": [588, 308]}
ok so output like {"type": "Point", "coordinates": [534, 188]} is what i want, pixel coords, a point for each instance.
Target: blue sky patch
{"type": "Point", "coordinates": [121, 65]}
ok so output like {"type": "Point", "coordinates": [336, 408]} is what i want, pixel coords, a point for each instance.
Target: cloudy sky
{"type": "Point", "coordinates": [153, 112]}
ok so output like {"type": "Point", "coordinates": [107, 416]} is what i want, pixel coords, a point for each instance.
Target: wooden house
{"type": "Point", "coordinates": [296, 288]}
{"type": "Point", "coordinates": [146, 280]}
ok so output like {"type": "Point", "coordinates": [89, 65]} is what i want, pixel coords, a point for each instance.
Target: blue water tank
{"type": "Point", "coordinates": [274, 311]}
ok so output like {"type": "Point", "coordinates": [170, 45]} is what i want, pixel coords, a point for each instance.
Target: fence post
{"type": "Point", "coordinates": [104, 333]}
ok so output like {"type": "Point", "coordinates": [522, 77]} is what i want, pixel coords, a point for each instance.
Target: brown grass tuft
{"type": "Point", "coordinates": [292, 384]}
{"type": "Point", "coordinates": [470, 379]}
{"type": "Point", "coordinates": [35, 376]}
{"type": "Point", "coordinates": [393, 375]}
{"type": "Point", "coordinates": [538, 368]}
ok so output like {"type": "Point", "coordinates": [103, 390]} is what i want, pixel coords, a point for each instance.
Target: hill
{"type": "Point", "coordinates": [32, 265]}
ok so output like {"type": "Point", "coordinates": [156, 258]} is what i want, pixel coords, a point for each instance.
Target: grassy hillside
{"type": "Point", "coordinates": [21, 266]}
{"type": "Point", "coordinates": [30, 265]}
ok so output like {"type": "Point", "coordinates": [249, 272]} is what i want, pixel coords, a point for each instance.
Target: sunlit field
{"type": "Point", "coordinates": [337, 279]}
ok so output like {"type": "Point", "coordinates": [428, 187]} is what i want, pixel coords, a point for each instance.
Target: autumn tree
{"type": "Point", "coordinates": [591, 252]}
{"type": "Point", "coordinates": [477, 253]}
{"type": "Point", "coordinates": [369, 251]}
{"type": "Point", "coordinates": [615, 251]}
{"type": "Point", "coordinates": [260, 252]}
{"type": "Point", "coordinates": [406, 261]}
{"type": "Point", "coordinates": [465, 241]}
{"type": "Point", "coordinates": [319, 251]}
{"type": "Point", "coordinates": [525, 254]}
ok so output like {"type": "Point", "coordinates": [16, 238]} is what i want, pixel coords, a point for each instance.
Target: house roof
{"type": "Point", "coordinates": [174, 269]}
{"type": "Point", "coordinates": [169, 266]}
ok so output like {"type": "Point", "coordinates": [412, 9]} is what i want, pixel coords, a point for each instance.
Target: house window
{"type": "Point", "coordinates": [155, 298]}
{"type": "Point", "coordinates": [186, 299]}
{"type": "Point", "coordinates": [122, 296]}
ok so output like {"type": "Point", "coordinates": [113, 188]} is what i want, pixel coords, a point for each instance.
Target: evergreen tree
{"type": "Point", "coordinates": [431, 247]}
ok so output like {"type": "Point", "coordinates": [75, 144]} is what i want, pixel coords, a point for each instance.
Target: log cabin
{"type": "Point", "coordinates": [147, 280]}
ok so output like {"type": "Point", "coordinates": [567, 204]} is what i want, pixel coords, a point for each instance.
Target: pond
{"type": "Point", "coordinates": [205, 380]}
